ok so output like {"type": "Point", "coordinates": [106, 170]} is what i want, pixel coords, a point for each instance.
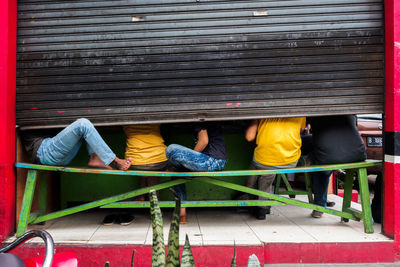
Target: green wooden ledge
{"type": "Point", "coordinates": [206, 177]}
{"type": "Point", "coordinates": [314, 168]}
{"type": "Point", "coordinates": [195, 204]}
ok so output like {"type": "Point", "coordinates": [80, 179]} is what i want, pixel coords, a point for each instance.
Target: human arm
{"type": "Point", "coordinates": [306, 130]}
{"type": "Point", "coordinates": [251, 131]}
{"type": "Point", "coordinates": [202, 140]}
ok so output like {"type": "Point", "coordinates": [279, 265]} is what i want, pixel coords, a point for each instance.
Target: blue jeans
{"type": "Point", "coordinates": [320, 180]}
{"type": "Point", "coordinates": [62, 148]}
{"type": "Point", "coordinates": [182, 157]}
{"type": "Point", "coordinates": [320, 183]}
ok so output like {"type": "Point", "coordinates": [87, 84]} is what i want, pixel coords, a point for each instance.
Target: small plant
{"type": "Point", "coordinates": [253, 261]}
{"type": "Point", "coordinates": [233, 263]}
{"type": "Point", "coordinates": [158, 253]}
{"type": "Point", "coordinates": [158, 256]}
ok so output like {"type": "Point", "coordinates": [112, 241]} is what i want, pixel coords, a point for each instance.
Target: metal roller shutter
{"type": "Point", "coordinates": [138, 61]}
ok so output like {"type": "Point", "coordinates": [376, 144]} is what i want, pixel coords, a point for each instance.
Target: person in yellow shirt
{"type": "Point", "coordinates": [278, 146]}
{"type": "Point", "coordinates": [145, 146]}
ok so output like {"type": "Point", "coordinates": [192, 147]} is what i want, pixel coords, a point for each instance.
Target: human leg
{"type": "Point", "coordinates": [265, 182]}
{"type": "Point", "coordinates": [97, 148]}
{"type": "Point", "coordinates": [251, 182]}
{"type": "Point", "coordinates": [146, 181]}
{"type": "Point", "coordinates": [172, 154]}
{"type": "Point", "coordinates": [61, 149]}
{"type": "Point", "coordinates": [320, 183]}
{"type": "Point", "coordinates": [95, 143]}
{"type": "Point", "coordinates": [183, 157]}
{"type": "Point", "coordinates": [320, 188]}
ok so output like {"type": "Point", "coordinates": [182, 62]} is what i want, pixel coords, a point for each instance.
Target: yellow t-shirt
{"type": "Point", "coordinates": [144, 144]}
{"type": "Point", "coordinates": [278, 141]}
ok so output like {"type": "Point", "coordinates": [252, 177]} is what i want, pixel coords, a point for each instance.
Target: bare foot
{"type": "Point", "coordinates": [182, 212]}
{"type": "Point", "coordinates": [122, 164]}
{"type": "Point", "coordinates": [183, 218]}
{"type": "Point", "coordinates": [140, 198]}
{"type": "Point", "coordinates": [95, 162]}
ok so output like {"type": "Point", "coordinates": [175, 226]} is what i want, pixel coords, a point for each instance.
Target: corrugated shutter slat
{"type": "Point", "coordinates": [154, 61]}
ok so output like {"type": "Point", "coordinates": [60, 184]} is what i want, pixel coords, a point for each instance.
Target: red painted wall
{"type": "Point", "coordinates": [276, 253]}
{"type": "Point", "coordinates": [392, 64]}
{"type": "Point", "coordinates": [121, 255]}
{"type": "Point", "coordinates": [8, 19]}
{"type": "Point", "coordinates": [7, 138]}
{"type": "Point", "coordinates": [391, 223]}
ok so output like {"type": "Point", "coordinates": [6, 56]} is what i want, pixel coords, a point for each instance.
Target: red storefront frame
{"type": "Point", "coordinates": [8, 32]}
{"type": "Point", "coordinates": [391, 225]}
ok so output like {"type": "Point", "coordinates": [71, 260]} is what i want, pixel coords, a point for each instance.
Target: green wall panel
{"type": "Point", "coordinates": [77, 188]}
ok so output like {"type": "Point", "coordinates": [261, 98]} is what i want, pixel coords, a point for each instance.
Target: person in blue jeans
{"type": "Point", "coordinates": [62, 148]}
{"type": "Point", "coordinates": [335, 139]}
{"type": "Point", "coordinates": [209, 154]}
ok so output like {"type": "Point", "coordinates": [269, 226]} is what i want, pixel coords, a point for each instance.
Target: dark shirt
{"type": "Point", "coordinates": [32, 139]}
{"type": "Point", "coordinates": [336, 140]}
{"type": "Point", "coordinates": [216, 142]}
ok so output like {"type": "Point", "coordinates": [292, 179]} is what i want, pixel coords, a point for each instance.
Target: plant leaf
{"type": "Point", "coordinates": [133, 254]}
{"type": "Point", "coordinates": [187, 256]}
{"type": "Point", "coordinates": [158, 254]}
{"type": "Point", "coordinates": [233, 263]}
{"type": "Point", "coordinates": [253, 261]}
{"type": "Point", "coordinates": [173, 237]}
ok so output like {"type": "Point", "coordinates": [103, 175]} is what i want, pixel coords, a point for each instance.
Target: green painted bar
{"type": "Point", "coordinates": [348, 186]}
{"type": "Point", "coordinates": [365, 201]}
{"type": "Point", "coordinates": [308, 187]}
{"type": "Point", "coordinates": [108, 200]}
{"type": "Point", "coordinates": [289, 188]}
{"type": "Point", "coordinates": [42, 192]}
{"type": "Point", "coordinates": [34, 215]}
{"type": "Point", "coordinates": [277, 184]}
{"type": "Point", "coordinates": [355, 212]}
{"type": "Point", "coordinates": [202, 177]}
{"type": "Point", "coordinates": [27, 202]}
{"type": "Point", "coordinates": [368, 163]}
{"type": "Point", "coordinates": [275, 197]}
{"type": "Point", "coordinates": [292, 193]}
{"type": "Point", "coordinates": [195, 204]}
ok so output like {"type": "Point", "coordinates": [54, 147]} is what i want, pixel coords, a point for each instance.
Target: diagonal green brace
{"type": "Point", "coordinates": [42, 191]}
{"type": "Point", "coordinates": [196, 204]}
{"type": "Point", "coordinates": [348, 187]}
{"type": "Point", "coordinates": [108, 200]}
{"type": "Point", "coordinates": [27, 202]}
{"type": "Point", "coordinates": [365, 201]}
{"type": "Point", "coordinates": [308, 187]}
{"type": "Point", "coordinates": [274, 197]}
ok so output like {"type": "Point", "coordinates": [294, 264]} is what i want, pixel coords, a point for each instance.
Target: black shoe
{"type": "Point", "coordinates": [110, 219]}
{"type": "Point", "coordinates": [260, 213]}
{"type": "Point", "coordinates": [340, 175]}
{"type": "Point", "coordinates": [268, 210]}
{"type": "Point", "coordinates": [316, 214]}
{"type": "Point", "coordinates": [125, 219]}
{"type": "Point", "coordinates": [330, 203]}
{"type": "Point", "coordinates": [242, 197]}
